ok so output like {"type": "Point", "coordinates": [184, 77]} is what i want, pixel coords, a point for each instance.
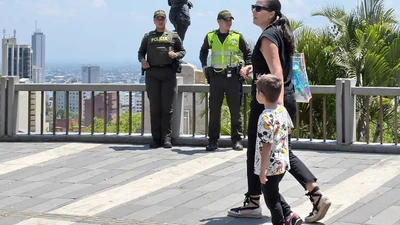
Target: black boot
{"type": "Point", "coordinates": [156, 143]}
{"type": "Point", "coordinates": [237, 145]}
{"type": "Point", "coordinates": [212, 146]}
{"type": "Point", "coordinates": [167, 142]}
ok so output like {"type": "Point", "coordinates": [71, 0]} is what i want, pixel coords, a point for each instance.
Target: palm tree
{"type": "Point", "coordinates": [367, 49]}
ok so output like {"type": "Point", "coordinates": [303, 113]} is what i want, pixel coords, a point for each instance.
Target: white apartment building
{"type": "Point", "coordinates": [136, 102]}
{"type": "Point", "coordinates": [73, 100]}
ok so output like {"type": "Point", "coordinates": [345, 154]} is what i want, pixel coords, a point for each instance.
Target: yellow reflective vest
{"type": "Point", "coordinates": [224, 54]}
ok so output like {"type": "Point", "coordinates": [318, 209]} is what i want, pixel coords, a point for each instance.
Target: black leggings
{"type": "Point", "coordinates": [297, 168]}
{"type": "Point", "coordinates": [274, 200]}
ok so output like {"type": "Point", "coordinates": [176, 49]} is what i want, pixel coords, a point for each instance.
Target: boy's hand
{"type": "Point", "coordinates": [263, 177]}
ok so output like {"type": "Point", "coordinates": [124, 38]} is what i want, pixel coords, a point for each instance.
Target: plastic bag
{"type": "Point", "coordinates": [300, 78]}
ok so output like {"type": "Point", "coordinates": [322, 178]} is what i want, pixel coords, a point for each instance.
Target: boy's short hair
{"type": "Point", "coordinates": [270, 86]}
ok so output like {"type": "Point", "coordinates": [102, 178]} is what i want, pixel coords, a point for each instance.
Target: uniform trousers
{"type": "Point", "coordinates": [161, 89]}
{"type": "Point", "coordinates": [221, 85]}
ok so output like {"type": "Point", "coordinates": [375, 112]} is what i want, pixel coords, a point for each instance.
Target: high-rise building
{"type": "Point", "coordinates": [5, 42]}
{"type": "Point", "coordinates": [39, 47]}
{"type": "Point", "coordinates": [16, 59]}
{"type": "Point", "coordinates": [90, 74]}
{"type": "Point", "coordinates": [37, 74]}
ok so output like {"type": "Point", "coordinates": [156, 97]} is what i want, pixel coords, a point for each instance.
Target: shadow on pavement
{"type": "Point", "coordinates": [197, 151]}
{"type": "Point", "coordinates": [239, 221]}
{"type": "Point", "coordinates": [131, 148]}
{"type": "Point", "coordinates": [234, 221]}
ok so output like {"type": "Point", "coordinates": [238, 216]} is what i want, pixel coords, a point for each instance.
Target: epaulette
{"type": "Point", "coordinates": [235, 31]}
{"type": "Point", "coordinates": [212, 31]}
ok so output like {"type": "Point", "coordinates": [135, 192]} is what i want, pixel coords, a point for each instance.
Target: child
{"type": "Point", "coordinates": [272, 154]}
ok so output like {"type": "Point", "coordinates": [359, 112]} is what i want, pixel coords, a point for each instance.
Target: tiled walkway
{"type": "Point", "coordinates": [88, 184]}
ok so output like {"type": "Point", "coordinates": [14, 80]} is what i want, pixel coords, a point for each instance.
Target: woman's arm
{"type": "Point", "coordinates": [270, 52]}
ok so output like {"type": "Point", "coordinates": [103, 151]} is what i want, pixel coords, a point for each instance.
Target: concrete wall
{"type": "Point", "coordinates": [35, 113]}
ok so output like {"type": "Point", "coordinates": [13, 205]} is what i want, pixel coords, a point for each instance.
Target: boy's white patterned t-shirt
{"type": "Point", "coordinates": [273, 128]}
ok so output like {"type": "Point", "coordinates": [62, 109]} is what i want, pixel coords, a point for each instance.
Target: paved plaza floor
{"type": "Point", "coordinates": [95, 184]}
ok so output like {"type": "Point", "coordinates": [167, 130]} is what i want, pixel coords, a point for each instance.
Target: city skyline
{"type": "Point", "coordinates": [103, 31]}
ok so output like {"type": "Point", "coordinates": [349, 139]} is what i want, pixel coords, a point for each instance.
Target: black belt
{"type": "Point", "coordinates": [162, 66]}
{"type": "Point", "coordinates": [220, 72]}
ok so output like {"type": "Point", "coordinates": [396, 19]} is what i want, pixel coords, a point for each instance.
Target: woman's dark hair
{"type": "Point", "coordinates": [282, 23]}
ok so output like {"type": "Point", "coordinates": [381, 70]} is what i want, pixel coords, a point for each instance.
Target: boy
{"type": "Point", "coordinates": [272, 156]}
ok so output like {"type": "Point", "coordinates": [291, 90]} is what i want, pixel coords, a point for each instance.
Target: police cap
{"type": "Point", "coordinates": [159, 13]}
{"type": "Point", "coordinates": [224, 15]}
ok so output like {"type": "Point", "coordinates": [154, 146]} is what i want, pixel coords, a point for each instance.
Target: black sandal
{"type": "Point", "coordinates": [319, 209]}
{"type": "Point", "coordinates": [238, 212]}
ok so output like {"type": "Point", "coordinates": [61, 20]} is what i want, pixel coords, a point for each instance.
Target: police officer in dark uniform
{"type": "Point", "coordinates": [163, 49]}
{"type": "Point", "coordinates": [228, 51]}
{"type": "Point", "coordinates": [179, 16]}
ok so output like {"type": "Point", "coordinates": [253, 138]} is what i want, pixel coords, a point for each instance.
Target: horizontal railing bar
{"type": "Point", "coordinates": [316, 89]}
{"type": "Point", "coordinates": [80, 87]}
{"type": "Point", "coordinates": [320, 89]}
{"type": "Point", "coordinates": [380, 91]}
{"type": "Point", "coordinates": [323, 89]}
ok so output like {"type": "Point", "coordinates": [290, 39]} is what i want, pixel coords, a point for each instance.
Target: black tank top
{"type": "Point", "coordinates": [260, 66]}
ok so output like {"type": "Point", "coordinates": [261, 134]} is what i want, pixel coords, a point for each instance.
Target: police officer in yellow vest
{"type": "Point", "coordinates": [163, 49]}
{"type": "Point", "coordinates": [228, 51]}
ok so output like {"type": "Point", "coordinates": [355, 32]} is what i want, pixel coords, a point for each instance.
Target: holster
{"type": "Point", "coordinates": [209, 71]}
{"type": "Point", "coordinates": [177, 65]}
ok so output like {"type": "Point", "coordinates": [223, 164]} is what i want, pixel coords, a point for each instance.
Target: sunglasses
{"type": "Point", "coordinates": [258, 8]}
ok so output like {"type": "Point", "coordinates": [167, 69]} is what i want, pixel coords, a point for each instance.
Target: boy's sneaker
{"type": "Point", "coordinates": [293, 219]}
{"type": "Point", "coordinates": [320, 208]}
{"type": "Point", "coordinates": [246, 211]}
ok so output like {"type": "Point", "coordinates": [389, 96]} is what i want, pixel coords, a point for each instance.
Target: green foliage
{"type": "Point", "coordinates": [112, 126]}
{"type": "Point", "coordinates": [362, 44]}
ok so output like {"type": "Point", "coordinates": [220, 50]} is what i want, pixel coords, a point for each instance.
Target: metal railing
{"type": "Point", "coordinates": [187, 98]}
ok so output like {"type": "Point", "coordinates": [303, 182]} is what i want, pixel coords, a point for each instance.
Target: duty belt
{"type": "Point", "coordinates": [162, 66]}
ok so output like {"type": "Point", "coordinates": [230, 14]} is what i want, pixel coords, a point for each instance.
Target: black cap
{"type": "Point", "coordinates": [225, 14]}
{"type": "Point", "coordinates": [159, 13]}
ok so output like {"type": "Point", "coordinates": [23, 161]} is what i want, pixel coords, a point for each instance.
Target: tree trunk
{"type": "Point", "coordinates": [361, 124]}
{"type": "Point", "coordinates": [377, 133]}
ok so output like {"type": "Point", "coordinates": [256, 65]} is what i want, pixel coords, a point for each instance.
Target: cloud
{"type": "Point", "coordinates": [99, 3]}
{"type": "Point", "coordinates": [66, 9]}
{"type": "Point", "coordinates": [205, 14]}
{"type": "Point", "coordinates": [46, 8]}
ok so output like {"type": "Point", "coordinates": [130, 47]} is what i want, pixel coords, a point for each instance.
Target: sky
{"type": "Point", "coordinates": [110, 31]}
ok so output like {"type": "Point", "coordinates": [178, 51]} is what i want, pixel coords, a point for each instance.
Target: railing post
{"type": "Point", "coordinates": [349, 115]}
{"type": "Point", "coordinates": [339, 112]}
{"type": "Point", "coordinates": [12, 106]}
{"type": "Point", "coordinates": [178, 110]}
{"type": "Point", "coordinates": [3, 106]}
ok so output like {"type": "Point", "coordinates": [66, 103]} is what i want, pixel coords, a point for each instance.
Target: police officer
{"type": "Point", "coordinates": [226, 46]}
{"type": "Point", "coordinates": [179, 16]}
{"type": "Point", "coordinates": [163, 49]}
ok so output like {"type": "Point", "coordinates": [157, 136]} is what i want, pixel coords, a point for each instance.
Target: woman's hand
{"type": "Point", "coordinates": [245, 71]}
